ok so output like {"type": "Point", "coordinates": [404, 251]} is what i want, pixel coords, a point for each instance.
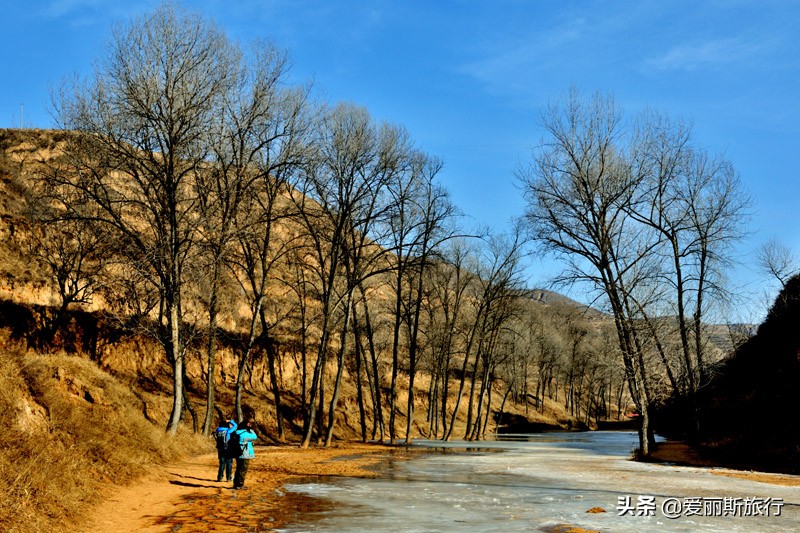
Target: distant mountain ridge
{"type": "Point", "coordinates": [726, 337]}
{"type": "Point", "coordinates": [548, 297]}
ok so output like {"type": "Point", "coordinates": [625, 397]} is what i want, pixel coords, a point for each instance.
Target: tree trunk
{"type": "Point", "coordinates": [174, 345]}
{"type": "Point", "coordinates": [502, 411]}
{"type": "Point", "coordinates": [471, 402]}
{"type": "Point", "coordinates": [395, 360]}
{"type": "Point", "coordinates": [377, 413]}
{"type": "Point", "coordinates": [273, 377]}
{"type": "Point", "coordinates": [210, 353]}
{"type": "Point", "coordinates": [210, 392]}
{"type": "Point", "coordinates": [245, 359]}
{"type": "Point", "coordinates": [462, 382]}
{"type": "Point", "coordinates": [339, 370]}
{"type": "Point", "coordinates": [362, 415]}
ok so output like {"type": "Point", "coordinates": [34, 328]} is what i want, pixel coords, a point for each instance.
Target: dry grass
{"type": "Point", "coordinates": [68, 429]}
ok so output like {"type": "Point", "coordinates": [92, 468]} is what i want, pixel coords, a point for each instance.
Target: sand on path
{"type": "Point", "coordinates": [186, 497]}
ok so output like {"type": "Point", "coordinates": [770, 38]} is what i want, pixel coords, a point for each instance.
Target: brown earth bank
{"type": "Point", "coordinates": [682, 453]}
{"type": "Point", "coordinates": [186, 496]}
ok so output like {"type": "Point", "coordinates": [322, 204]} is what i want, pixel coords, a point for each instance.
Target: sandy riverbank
{"type": "Point", "coordinates": [186, 496]}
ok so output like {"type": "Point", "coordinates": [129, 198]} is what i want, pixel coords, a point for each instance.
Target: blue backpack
{"type": "Point", "coordinates": [221, 438]}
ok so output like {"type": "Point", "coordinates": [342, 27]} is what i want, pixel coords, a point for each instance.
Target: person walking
{"type": "Point", "coordinates": [241, 447]}
{"type": "Point", "coordinates": [222, 436]}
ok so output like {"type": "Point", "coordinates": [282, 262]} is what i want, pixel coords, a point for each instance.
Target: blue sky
{"type": "Point", "coordinates": [470, 78]}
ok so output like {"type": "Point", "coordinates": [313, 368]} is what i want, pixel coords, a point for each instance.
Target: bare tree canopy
{"type": "Point", "coordinates": [145, 118]}
{"type": "Point", "coordinates": [777, 260]}
{"type": "Point", "coordinates": [642, 217]}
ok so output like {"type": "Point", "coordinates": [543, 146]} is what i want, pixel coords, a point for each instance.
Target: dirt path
{"type": "Point", "coordinates": [186, 497]}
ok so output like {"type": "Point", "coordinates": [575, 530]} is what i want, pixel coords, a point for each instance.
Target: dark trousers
{"type": "Point", "coordinates": [225, 466]}
{"type": "Point", "coordinates": [241, 471]}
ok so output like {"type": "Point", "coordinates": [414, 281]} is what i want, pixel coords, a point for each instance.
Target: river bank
{"type": "Point", "coordinates": [187, 497]}
{"type": "Point", "coordinates": [683, 454]}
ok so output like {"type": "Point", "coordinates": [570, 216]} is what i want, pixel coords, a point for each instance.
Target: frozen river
{"type": "Point", "coordinates": [541, 482]}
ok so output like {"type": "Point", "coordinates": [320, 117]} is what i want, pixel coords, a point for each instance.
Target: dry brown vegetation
{"type": "Point", "coordinates": [70, 428]}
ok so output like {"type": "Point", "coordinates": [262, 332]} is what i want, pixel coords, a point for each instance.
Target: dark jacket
{"type": "Point", "coordinates": [241, 444]}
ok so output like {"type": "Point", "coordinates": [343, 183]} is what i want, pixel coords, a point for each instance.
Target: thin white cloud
{"type": "Point", "coordinates": [709, 54]}
{"type": "Point", "coordinates": [510, 58]}
{"type": "Point", "coordinates": [90, 12]}
{"type": "Point", "coordinates": [59, 8]}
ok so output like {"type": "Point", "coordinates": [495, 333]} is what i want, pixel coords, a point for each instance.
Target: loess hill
{"type": "Point", "coordinates": [87, 406]}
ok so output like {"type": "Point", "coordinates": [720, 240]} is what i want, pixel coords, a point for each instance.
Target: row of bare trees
{"type": "Point", "coordinates": [206, 195]}
{"type": "Point", "coordinates": [202, 187]}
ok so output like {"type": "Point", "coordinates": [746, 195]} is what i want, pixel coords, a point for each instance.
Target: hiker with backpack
{"type": "Point", "coordinates": [240, 447]}
{"type": "Point", "coordinates": [222, 436]}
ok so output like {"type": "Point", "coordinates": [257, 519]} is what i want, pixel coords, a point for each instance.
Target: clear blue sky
{"type": "Point", "coordinates": [469, 79]}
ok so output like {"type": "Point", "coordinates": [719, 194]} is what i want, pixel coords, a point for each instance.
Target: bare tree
{"type": "Point", "coordinates": [718, 211]}
{"type": "Point", "coordinates": [446, 301]}
{"type": "Point", "coordinates": [695, 203]}
{"type": "Point", "coordinates": [496, 280]}
{"type": "Point", "coordinates": [340, 202]}
{"type": "Point", "coordinates": [417, 225]}
{"type": "Point", "coordinates": [265, 142]}
{"type": "Point", "coordinates": [643, 216]}
{"type": "Point", "coordinates": [579, 187]}
{"type": "Point", "coordinates": [144, 118]}
{"type": "Point", "coordinates": [777, 260]}
{"type": "Point", "coordinates": [71, 248]}
{"type": "Point", "coordinates": [434, 229]}
{"type": "Point", "coordinates": [254, 155]}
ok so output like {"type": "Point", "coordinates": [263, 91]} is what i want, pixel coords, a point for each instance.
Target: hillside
{"type": "Point", "coordinates": [26, 155]}
{"type": "Point", "coordinates": [550, 298]}
{"type": "Point", "coordinates": [92, 396]}
{"type": "Point", "coordinates": [71, 429]}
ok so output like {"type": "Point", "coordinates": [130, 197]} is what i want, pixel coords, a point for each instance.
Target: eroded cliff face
{"type": "Point", "coordinates": [130, 355]}
{"type": "Point", "coordinates": [21, 155]}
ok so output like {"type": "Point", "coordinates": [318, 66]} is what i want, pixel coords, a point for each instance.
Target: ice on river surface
{"type": "Point", "coordinates": [538, 482]}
